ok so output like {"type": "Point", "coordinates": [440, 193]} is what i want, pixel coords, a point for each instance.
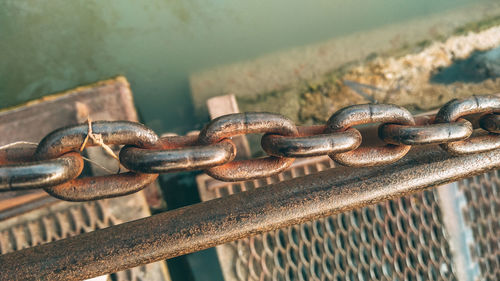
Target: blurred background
{"type": "Point", "coordinates": [50, 46]}
{"type": "Point", "coordinates": [176, 54]}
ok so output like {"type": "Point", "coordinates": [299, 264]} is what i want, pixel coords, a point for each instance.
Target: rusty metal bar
{"type": "Point", "coordinates": [211, 223]}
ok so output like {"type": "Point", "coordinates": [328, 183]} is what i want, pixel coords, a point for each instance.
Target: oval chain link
{"type": "Point", "coordinates": [55, 166]}
{"type": "Point", "coordinates": [480, 140]}
{"type": "Point", "coordinates": [39, 174]}
{"type": "Point", "coordinates": [72, 138]}
{"type": "Point", "coordinates": [490, 123]}
{"type": "Point", "coordinates": [248, 123]}
{"type": "Point", "coordinates": [311, 142]}
{"type": "Point", "coordinates": [94, 188]}
{"type": "Point", "coordinates": [425, 132]}
{"type": "Point", "coordinates": [366, 114]}
{"type": "Point", "coordinates": [177, 153]}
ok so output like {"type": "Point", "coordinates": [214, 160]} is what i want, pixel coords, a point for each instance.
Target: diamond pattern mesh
{"type": "Point", "coordinates": [401, 239]}
{"type": "Point", "coordinates": [482, 216]}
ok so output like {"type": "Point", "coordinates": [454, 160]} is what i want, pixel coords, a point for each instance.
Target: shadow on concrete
{"type": "Point", "coordinates": [478, 67]}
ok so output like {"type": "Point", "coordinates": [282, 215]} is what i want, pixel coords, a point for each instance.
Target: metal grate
{"type": "Point", "coordinates": [66, 219]}
{"type": "Point", "coordinates": [482, 216]}
{"type": "Point", "coordinates": [402, 239]}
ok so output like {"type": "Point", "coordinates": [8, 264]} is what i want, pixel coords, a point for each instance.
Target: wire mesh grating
{"type": "Point", "coordinates": [481, 213]}
{"type": "Point", "coordinates": [400, 239]}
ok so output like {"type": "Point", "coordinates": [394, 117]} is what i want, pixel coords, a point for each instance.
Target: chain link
{"type": "Point", "coordinates": [178, 153]}
{"type": "Point", "coordinates": [39, 174]}
{"type": "Point", "coordinates": [366, 114]}
{"type": "Point", "coordinates": [248, 123]}
{"type": "Point", "coordinates": [426, 132]}
{"type": "Point", "coordinates": [480, 140]}
{"type": "Point", "coordinates": [54, 165]}
{"type": "Point", "coordinates": [491, 123]}
{"type": "Point", "coordinates": [73, 138]}
{"type": "Point", "coordinates": [311, 142]}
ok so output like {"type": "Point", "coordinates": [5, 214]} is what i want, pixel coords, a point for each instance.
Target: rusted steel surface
{"type": "Point", "coordinates": [366, 114]}
{"type": "Point", "coordinates": [457, 108]}
{"type": "Point", "coordinates": [426, 133]}
{"type": "Point", "coordinates": [311, 145]}
{"type": "Point", "coordinates": [283, 141]}
{"type": "Point", "coordinates": [248, 123]}
{"type": "Point", "coordinates": [239, 170]}
{"type": "Point", "coordinates": [491, 123]}
{"type": "Point", "coordinates": [16, 154]}
{"type": "Point", "coordinates": [454, 109]}
{"type": "Point", "coordinates": [211, 223]}
{"type": "Point", "coordinates": [479, 141]}
{"type": "Point", "coordinates": [371, 156]}
{"type": "Point", "coordinates": [72, 138]}
{"type": "Point", "coordinates": [107, 186]}
{"type": "Point", "coordinates": [43, 173]}
{"type": "Point", "coordinates": [178, 153]}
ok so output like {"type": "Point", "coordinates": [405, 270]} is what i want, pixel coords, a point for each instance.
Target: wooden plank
{"type": "Point", "coordinates": [222, 105]}
{"type": "Point", "coordinates": [32, 121]}
{"type": "Point", "coordinates": [106, 100]}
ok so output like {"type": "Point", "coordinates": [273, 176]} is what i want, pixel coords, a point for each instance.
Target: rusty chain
{"type": "Point", "coordinates": [55, 166]}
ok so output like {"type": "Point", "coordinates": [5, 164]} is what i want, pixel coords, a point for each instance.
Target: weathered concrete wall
{"type": "Point", "coordinates": [393, 64]}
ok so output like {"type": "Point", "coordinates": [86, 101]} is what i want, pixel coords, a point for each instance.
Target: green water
{"type": "Point", "coordinates": [49, 46]}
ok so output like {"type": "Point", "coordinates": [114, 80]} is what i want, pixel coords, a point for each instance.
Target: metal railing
{"type": "Point", "coordinates": [57, 165]}
{"type": "Point", "coordinates": [214, 222]}
{"type": "Point", "coordinates": [464, 153]}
